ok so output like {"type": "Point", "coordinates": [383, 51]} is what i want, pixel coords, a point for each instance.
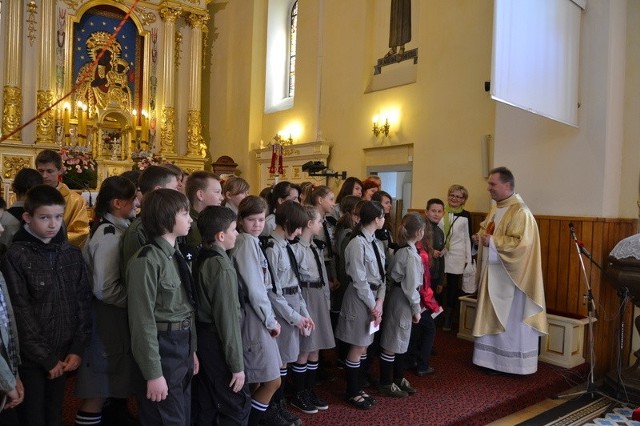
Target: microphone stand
{"type": "Point", "coordinates": [591, 388]}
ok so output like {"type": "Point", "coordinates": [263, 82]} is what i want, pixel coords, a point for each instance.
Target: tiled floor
{"type": "Point", "coordinates": [528, 413]}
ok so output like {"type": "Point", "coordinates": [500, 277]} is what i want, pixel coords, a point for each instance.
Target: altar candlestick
{"type": "Point", "coordinates": [145, 126]}
{"type": "Point", "coordinates": [280, 168]}
{"type": "Point", "coordinates": [272, 167]}
{"type": "Point", "coordinates": [66, 123]}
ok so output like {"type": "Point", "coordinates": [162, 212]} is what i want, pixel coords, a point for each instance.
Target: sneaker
{"type": "Point", "coordinates": [392, 390]}
{"type": "Point", "coordinates": [301, 401]}
{"type": "Point", "coordinates": [288, 415]}
{"type": "Point", "coordinates": [319, 403]}
{"type": "Point", "coordinates": [406, 386]}
{"type": "Point", "coordinates": [273, 417]}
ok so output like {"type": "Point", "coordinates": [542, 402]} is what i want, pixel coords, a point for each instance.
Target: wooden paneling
{"type": "Point", "coordinates": [564, 280]}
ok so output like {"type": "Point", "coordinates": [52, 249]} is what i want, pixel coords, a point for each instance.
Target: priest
{"type": "Point", "coordinates": [511, 313]}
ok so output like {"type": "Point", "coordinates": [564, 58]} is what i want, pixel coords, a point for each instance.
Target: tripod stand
{"type": "Point", "coordinates": [591, 387]}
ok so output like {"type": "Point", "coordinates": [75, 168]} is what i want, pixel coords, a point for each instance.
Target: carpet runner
{"type": "Point", "coordinates": [457, 394]}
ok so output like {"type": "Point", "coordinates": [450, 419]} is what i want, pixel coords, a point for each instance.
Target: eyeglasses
{"type": "Point", "coordinates": [458, 197]}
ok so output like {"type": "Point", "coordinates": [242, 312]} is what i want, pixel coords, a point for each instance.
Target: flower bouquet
{"type": "Point", "coordinates": [81, 170]}
{"type": "Point", "coordinates": [144, 159]}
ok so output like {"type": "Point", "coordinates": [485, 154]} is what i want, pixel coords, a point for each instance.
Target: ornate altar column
{"type": "Point", "coordinates": [194, 132]}
{"type": "Point", "coordinates": [12, 108]}
{"type": "Point", "coordinates": [45, 125]}
{"type": "Point", "coordinates": [167, 126]}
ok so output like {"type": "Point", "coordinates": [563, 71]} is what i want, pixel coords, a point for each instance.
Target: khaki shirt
{"type": "Point", "coordinates": [156, 294]}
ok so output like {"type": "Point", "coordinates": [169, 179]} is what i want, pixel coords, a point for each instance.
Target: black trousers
{"type": "Point", "coordinates": [43, 397]}
{"type": "Point", "coordinates": [214, 403]}
{"type": "Point", "coordinates": [176, 359]}
{"type": "Point", "coordinates": [422, 336]}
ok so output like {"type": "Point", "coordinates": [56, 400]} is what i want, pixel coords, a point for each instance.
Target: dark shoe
{"type": "Point", "coordinates": [392, 390]}
{"type": "Point", "coordinates": [491, 372]}
{"type": "Point", "coordinates": [434, 351]}
{"type": "Point", "coordinates": [359, 402]}
{"type": "Point", "coordinates": [273, 417]}
{"type": "Point", "coordinates": [368, 397]}
{"type": "Point", "coordinates": [288, 415]}
{"type": "Point", "coordinates": [421, 372]}
{"type": "Point", "coordinates": [319, 403]}
{"type": "Point", "coordinates": [301, 402]}
{"type": "Point", "coordinates": [406, 386]}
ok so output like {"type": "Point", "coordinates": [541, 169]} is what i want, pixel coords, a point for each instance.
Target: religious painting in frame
{"type": "Point", "coordinates": [117, 80]}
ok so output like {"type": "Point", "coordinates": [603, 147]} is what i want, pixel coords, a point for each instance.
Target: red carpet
{"type": "Point", "coordinates": [457, 394]}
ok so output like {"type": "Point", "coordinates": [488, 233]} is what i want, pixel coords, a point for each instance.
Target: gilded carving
{"type": "Point", "coordinates": [146, 16]}
{"type": "Point", "coordinates": [12, 164]}
{"type": "Point", "coordinates": [32, 10]}
{"type": "Point", "coordinates": [170, 13]}
{"type": "Point", "coordinates": [205, 46]}
{"type": "Point", "coordinates": [195, 142]}
{"type": "Point", "coordinates": [12, 111]}
{"type": "Point", "coordinates": [168, 131]}
{"type": "Point", "coordinates": [178, 54]}
{"type": "Point", "coordinates": [196, 20]}
{"type": "Point", "coordinates": [45, 125]}
{"type": "Point", "coordinates": [73, 4]}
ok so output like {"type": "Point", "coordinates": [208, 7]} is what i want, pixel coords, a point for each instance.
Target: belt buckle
{"type": "Point", "coordinates": [185, 324]}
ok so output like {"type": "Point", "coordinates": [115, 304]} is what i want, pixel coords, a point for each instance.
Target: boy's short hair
{"type": "Point", "coordinates": [177, 171]}
{"type": "Point", "coordinates": [154, 176]}
{"type": "Point", "coordinates": [214, 219]}
{"type": "Point", "coordinates": [26, 179]}
{"type": "Point", "coordinates": [132, 175]}
{"type": "Point", "coordinates": [49, 156]}
{"type": "Point", "coordinates": [251, 205]}
{"type": "Point", "coordinates": [42, 195]}
{"type": "Point", "coordinates": [291, 216]}
{"type": "Point", "coordinates": [159, 209]}
{"type": "Point", "coordinates": [198, 180]}
{"type": "Point", "coordinates": [433, 201]}
{"type": "Point", "coordinates": [235, 185]}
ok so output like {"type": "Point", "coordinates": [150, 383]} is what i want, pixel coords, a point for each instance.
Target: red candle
{"type": "Point", "coordinates": [280, 168]}
{"type": "Point", "coordinates": [272, 167]}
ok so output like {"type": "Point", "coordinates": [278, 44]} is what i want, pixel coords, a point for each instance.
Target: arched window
{"type": "Point", "coordinates": [282, 31]}
{"type": "Point", "coordinates": [293, 32]}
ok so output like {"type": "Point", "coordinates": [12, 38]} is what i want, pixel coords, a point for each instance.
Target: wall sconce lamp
{"type": "Point", "coordinates": [384, 129]}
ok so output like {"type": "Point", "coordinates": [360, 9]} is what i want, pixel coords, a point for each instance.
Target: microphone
{"type": "Point", "coordinates": [583, 249]}
{"type": "Point", "coordinates": [573, 231]}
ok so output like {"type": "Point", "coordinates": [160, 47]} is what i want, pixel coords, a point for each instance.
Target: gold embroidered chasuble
{"type": "Point", "coordinates": [517, 242]}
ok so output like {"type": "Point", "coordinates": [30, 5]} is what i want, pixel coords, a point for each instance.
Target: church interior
{"type": "Point", "coordinates": [234, 86]}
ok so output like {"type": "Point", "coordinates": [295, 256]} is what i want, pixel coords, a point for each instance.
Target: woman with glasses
{"type": "Point", "coordinates": [456, 224]}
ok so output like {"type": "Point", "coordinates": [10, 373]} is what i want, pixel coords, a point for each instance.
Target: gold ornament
{"type": "Point", "coordinates": [194, 134]}
{"type": "Point", "coordinates": [12, 164]}
{"type": "Point", "coordinates": [12, 111]}
{"type": "Point", "coordinates": [168, 131]}
{"type": "Point", "coordinates": [45, 125]}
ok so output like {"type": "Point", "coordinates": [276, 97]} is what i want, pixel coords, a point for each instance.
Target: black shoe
{"type": "Point", "coordinates": [288, 415]}
{"type": "Point", "coordinates": [313, 399]}
{"type": "Point", "coordinates": [359, 402]}
{"type": "Point", "coordinates": [273, 417]}
{"type": "Point", "coordinates": [301, 402]}
{"type": "Point", "coordinates": [368, 397]}
{"type": "Point", "coordinates": [421, 372]}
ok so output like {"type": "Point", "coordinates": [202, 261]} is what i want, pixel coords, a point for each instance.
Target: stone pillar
{"type": "Point", "coordinates": [167, 125]}
{"type": "Point", "coordinates": [194, 131]}
{"type": "Point", "coordinates": [12, 107]}
{"type": "Point", "coordinates": [45, 125]}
